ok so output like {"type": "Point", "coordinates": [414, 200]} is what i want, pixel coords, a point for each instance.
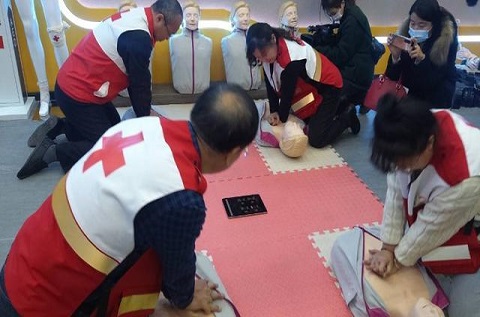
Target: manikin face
{"type": "Point", "coordinates": [425, 308]}
{"type": "Point", "coordinates": [290, 17]}
{"type": "Point", "coordinates": [191, 16]}
{"type": "Point", "coordinates": [241, 20]}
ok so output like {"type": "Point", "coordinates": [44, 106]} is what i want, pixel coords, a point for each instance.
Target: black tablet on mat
{"type": "Point", "coordinates": [241, 206]}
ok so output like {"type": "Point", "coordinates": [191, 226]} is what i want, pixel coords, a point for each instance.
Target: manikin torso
{"type": "Point", "coordinates": [237, 69]}
{"type": "Point", "coordinates": [190, 55]}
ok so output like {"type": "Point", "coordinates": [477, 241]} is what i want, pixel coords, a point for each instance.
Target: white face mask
{"type": "Point", "coordinates": [420, 35]}
{"type": "Point", "coordinates": [337, 17]}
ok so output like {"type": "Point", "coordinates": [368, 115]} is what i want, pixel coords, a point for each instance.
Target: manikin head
{"type": "Point", "coordinates": [240, 15]}
{"type": "Point", "coordinates": [293, 142]}
{"type": "Point", "coordinates": [288, 14]}
{"type": "Point", "coordinates": [191, 15]}
{"type": "Point", "coordinates": [425, 308]}
{"type": "Point", "coordinates": [126, 5]}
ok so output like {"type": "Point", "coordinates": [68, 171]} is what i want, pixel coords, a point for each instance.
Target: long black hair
{"type": "Point", "coordinates": [330, 4]}
{"type": "Point", "coordinates": [402, 129]}
{"type": "Point", "coordinates": [259, 36]}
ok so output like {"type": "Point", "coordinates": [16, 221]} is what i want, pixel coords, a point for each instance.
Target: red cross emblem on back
{"type": "Point", "coordinates": [56, 38]}
{"type": "Point", "coordinates": [111, 153]}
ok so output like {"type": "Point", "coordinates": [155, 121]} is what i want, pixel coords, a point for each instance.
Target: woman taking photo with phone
{"type": "Point", "coordinates": [427, 67]}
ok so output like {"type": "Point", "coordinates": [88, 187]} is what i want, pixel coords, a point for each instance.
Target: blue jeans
{"type": "Point", "coordinates": [6, 308]}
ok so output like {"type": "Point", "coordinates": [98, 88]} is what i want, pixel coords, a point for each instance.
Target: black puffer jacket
{"type": "Point", "coordinates": [433, 79]}
{"type": "Point", "coordinates": [352, 52]}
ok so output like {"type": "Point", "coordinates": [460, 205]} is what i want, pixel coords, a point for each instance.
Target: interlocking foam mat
{"type": "Point", "coordinates": [276, 264]}
{"type": "Point", "coordinates": [268, 263]}
{"type": "Point", "coordinates": [311, 159]}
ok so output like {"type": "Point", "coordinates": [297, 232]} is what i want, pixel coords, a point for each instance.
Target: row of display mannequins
{"type": "Point", "coordinates": [190, 50]}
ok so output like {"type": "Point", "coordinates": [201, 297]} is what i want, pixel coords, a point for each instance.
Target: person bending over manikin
{"type": "Point", "coordinates": [289, 136]}
{"type": "Point", "coordinates": [56, 32]}
{"type": "Point", "coordinates": [288, 17]}
{"type": "Point", "coordinates": [237, 69]}
{"type": "Point", "coordinates": [190, 54]}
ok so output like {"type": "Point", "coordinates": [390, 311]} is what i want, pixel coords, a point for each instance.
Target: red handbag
{"type": "Point", "coordinates": [381, 86]}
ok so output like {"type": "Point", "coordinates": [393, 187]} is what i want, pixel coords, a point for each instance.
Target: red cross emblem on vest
{"type": "Point", "coordinates": [56, 38]}
{"type": "Point", "coordinates": [111, 153]}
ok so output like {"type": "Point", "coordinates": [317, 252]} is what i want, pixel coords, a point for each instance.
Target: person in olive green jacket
{"type": "Point", "coordinates": [351, 51]}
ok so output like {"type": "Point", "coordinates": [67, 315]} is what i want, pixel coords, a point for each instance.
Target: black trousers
{"type": "Point", "coordinates": [85, 123]}
{"type": "Point", "coordinates": [327, 124]}
{"type": "Point", "coordinates": [353, 93]}
{"type": "Point", "coordinates": [6, 308]}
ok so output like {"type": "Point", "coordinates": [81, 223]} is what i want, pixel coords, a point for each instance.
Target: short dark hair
{"type": "Point", "coordinates": [259, 36]}
{"type": "Point", "coordinates": [225, 117]}
{"type": "Point", "coordinates": [402, 129]}
{"type": "Point", "coordinates": [330, 4]}
{"type": "Point", "coordinates": [169, 8]}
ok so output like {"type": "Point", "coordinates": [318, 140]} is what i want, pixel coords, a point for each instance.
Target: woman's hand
{"type": "Point", "coordinates": [416, 52]}
{"type": "Point", "coordinates": [274, 118]}
{"type": "Point", "coordinates": [205, 293]}
{"type": "Point", "coordinates": [381, 262]}
{"type": "Point", "coordinates": [395, 51]}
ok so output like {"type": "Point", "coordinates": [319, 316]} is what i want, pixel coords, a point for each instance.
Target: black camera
{"type": "Point", "coordinates": [325, 34]}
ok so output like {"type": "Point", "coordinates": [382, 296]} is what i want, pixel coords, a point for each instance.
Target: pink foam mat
{"type": "Point", "coordinates": [267, 262]}
{"type": "Point", "coordinates": [249, 165]}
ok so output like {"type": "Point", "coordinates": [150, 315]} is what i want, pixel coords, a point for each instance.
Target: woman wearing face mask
{"type": "Point", "coordinates": [427, 69]}
{"type": "Point", "coordinates": [305, 81]}
{"type": "Point", "coordinates": [432, 158]}
{"type": "Point", "coordinates": [352, 51]}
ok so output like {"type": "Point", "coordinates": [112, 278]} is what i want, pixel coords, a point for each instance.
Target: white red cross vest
{"type": "Point", "coordinates": [456, 158]}
{"type": "Point", "coordinates": [94, 72]}
{"type": "Point", "coordinates": [85, 228]}
{"type": "Point", "coordinates": [306, 98]}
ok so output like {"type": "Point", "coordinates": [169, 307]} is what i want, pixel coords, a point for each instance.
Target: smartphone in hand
{"type": "Point", "coordinates": [402, 42]}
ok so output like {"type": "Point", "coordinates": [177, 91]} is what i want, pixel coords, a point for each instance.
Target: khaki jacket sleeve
{"type": "Point", "coordinates": [439, 220]}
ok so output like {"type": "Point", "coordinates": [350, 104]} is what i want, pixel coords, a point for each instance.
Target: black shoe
{"type": "Point", "coordinates": [42, 130]}
{"type": "Point", "coordinates": [353, 121]}
{"type": "Point", "coordinates": [363, 110]}
{"type": "Point", "coordinates": [35, 162]}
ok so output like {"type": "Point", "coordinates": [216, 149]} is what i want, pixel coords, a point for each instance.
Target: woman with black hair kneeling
{"type": "Point", "coordinates": [432, 158]}
{"type": "Point", "coordinates": [305, 81]}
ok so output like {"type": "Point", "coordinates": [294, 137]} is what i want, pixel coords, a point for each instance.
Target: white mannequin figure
{"type": "Point", "coordinates": [190, 54]}
{"type": "Point", "coordinates": [288, 16]}
{"type": "Point", "coordinates": [237, 69]}
{"type": "Point", "coordinates": [56, 31]}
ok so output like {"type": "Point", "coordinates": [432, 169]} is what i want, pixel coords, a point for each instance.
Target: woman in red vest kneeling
{"type": "Point", "coordinates": [432, 158]}
{"type": "Point", "coordinates": [301, 81]}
